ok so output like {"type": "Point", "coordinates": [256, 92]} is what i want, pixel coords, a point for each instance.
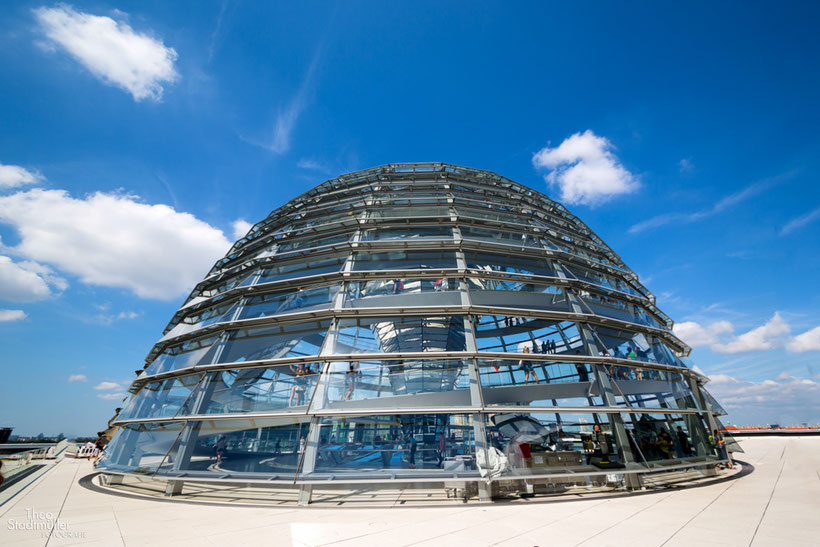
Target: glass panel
{"type": "Point", "coordinates": [548, 383]}
{"type": "Point", "coordinates": [385, 293]}
{"type": "Point", "coordinates": [498, 236]}
{"type": "Point", "coordinates": [404, 260]}
{"type": "Point", "coordinates": [312, 241]}
{"type": "Point", "coordinates": [140, 448]}
{"type": "Point", "coordinates": [271, 447]}
{"type": "Point", "coordinates": [517, 294]}
{"type": "Point", "coordinates": [259, 389]}
{"type": "Point", "coordinates": [656, 437]}
{"type": "Point", "coordinates": [398, 334]}
{"type": "Point", "coordinates": [615, 308]}
{"type": "Point", "coordinates": [160, 399]}
{"type": "Point", "coordinates": [635, 346]}
{"type": "Point", "coordinates": [598, 278]}
{"type": "Point", "coordinates": [527, 335]}
{"type": "Point", "coordinates": [408, 233]}
{"type": "Point", "coordinates": [211, 315]}
{"type": "Point", "coordinates": [290, 300]}
{"type": "Point", "coordinates": [419, 443]}
{"type": "Point", "coordinates": [395, 384]}
{"type": "Point", "coordinates": [550, 443]}
{"type": "Point", "coordinates": [648, 388]}
{"type": "Point", "coordinates": [300, 268]}
{"type": "Point", "coordinates": [716, 408]}
{"type": "Point", "coordinates": [393, 212]}
{"type": "Point", "coordinates": [508, 263]}
{"type": "Point", "coordinates": [490, 214]}
{"type": "Point", "coordinates": [187, 354]}
{"type": "Point", "coordinates": [274, 342]}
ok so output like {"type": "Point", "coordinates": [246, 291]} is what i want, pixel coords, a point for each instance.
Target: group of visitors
{"type": "Point", "coordinates": [662, 446]}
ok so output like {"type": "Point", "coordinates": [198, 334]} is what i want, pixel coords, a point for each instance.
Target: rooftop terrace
{"type": "Point", "coordinates": [774, 500]}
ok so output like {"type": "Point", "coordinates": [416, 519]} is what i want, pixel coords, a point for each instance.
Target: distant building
{"type": "Point", "coordinates": [416, 324]}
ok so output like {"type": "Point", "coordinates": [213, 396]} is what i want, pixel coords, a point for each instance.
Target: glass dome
{"type": "Point", "coordinates": [416, 324]}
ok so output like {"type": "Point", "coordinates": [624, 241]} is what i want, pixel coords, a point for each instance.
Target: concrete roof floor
{"type": "Point", "coordinates": [777, 504]}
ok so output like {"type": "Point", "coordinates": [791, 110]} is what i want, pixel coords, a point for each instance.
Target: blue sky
{"type": "Point", "coordinates": [138, 137]}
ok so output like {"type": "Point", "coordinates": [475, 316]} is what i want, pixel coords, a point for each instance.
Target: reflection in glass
{"type": "Point", "coordinates": [399, 334]}
{"type": "Point", "coordinates": [549, 443]}
{"type": "Point", "coordinates": [160, 399]}
{"type": "Point", "coordinates": [304, 266]}
{"type": "Point", "coordinates": [616, 308]}
{"type": "Point", "coordinates": [404, 260]}
{"type": "Point", "coordinates": [510, 293]}
{"type": "Point", "coordinates": [515, 334]}
{"type": "Point", "coordinates": [420, 442]}
{"type": "Point", "coordinates": [397, 384]}
{"type": "Point", "coordinates": [649, 388]}
{"type": "Point", "coordinates": [635, 346]}
{"type": "Point", "coordinates": [272, 447]}
{"type": "Point", "coordinates": [187, 354]}
{"type": "Point", "coordinates": [140, 448]}
{"type": "Point", "coordinates": [286, 301]}
{"type": "Point", "coordinates": [357, 290]}
{"type": "Point", "coordinates": [259, 389]}
{"type": "Point", "coordinates": [408, 233]}
{"type": "Point", "coordinates": [274, 342]}
{"type": "Point", "coordinates": [498, 236]}
{"type": "Point", "coordinates": [656, 437]}
{"type": "Point", "coordinates": [508, 263]}
{"type": "Point", "coordinates": [558, 384]}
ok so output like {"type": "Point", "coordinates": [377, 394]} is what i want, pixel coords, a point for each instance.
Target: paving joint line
{"type": "Point", "coordinates": [771, 495]}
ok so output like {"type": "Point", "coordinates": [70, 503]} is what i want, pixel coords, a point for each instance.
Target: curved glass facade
{"type": "Point", "coordinates": [416, 323]}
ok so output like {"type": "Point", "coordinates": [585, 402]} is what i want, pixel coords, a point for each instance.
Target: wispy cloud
{"type": "Point", "coordinates": [216, 35]}
{"type": "Point", "coordinates": [727, 202]}
{"type": "Point", "coordinates": [310, 164]}
{"type": "Point", "coordinates": [279, 141]}
{"type": "Point", "coordinates": [78, 378]}
{"type": "Point", "coordinates": [800, 221]}
{"type": "Point", "coordinates": [107, 386]}
{"type": "Point", "coordinates": [112, 396]}
{"type": "Point", "coordinates": [685, 166]}
{"type": "Point", "coordinates": [111, 50]}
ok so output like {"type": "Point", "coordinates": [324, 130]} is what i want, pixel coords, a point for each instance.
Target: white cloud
{"type": "Point", "coordinates": [27, 281]}
{"type": "Point", "coordinates": [800, 221]}
{"type": "Point", "coordinates": [696, 335]}
{"type": "Point", "coordinates": [808, 341]}
{"type": "Point", "coordinates": [774, 333]}
{"type": "Point", "coordinates": [12, 176]}
{"type": "Point", "coordinates": [107, 386]}
{"type": "Point", "coordinates": [240, 228]}
{"type": "Point", "coordinates": [585, 169]}
{"type": "Point", "coordinates": [112, 396]}
{"type": "Point", "coordinates": [784, 399]}
{"type": "Point", "coordinates": [12, 315]}
{"type": "Point", "coordinates": [77, 378]}
{"type": "Point", "coordinates": [111, 50]}
{"type": "Point", "coordinates": [114, 240]}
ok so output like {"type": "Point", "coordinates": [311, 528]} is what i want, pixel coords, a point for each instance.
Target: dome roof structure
{"type": "Point", "coordinates": [416, 324]}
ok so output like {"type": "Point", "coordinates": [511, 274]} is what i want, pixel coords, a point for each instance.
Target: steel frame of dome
{"type": "Point", "coordinates": [384, 328]}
